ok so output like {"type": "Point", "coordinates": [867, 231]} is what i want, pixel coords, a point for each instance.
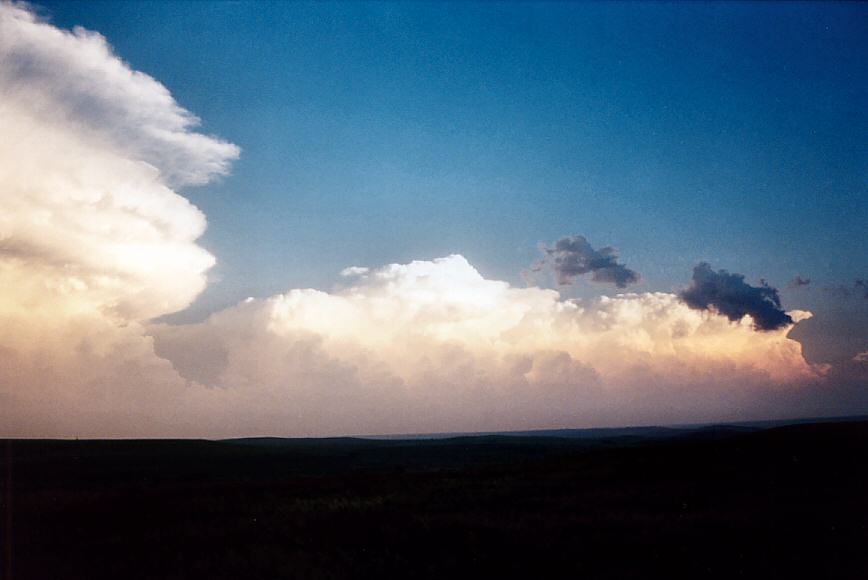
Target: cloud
{"type": "Point", "coordinates": [862, 287]}
{"type": "Point", "coordinates": [798, 282]}
{"type": "Point", "coordinates": [354, 271]}
{"type": "Point", "coordinates": [434, 346]}
{"type": "Point", "coordinates": [93, 239]}
{"type": "Point", "coordinates": [573, 256]}
{"type": "Point", "coordinates": [90, 149]}
{"type": "Point", "coordinates": [732, 297]}
{"type": "Point", "coordinates": [73, 79]}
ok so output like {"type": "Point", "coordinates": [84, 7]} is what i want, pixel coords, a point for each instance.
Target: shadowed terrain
{"type": "Point", "coordinates": [724, 502]}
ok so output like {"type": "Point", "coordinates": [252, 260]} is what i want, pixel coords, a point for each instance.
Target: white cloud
{"type": "Point", "coordinates": [93, 239]}
{"type": "Point", "coordinates": [435, 346]}
{"type": "Point", "coordinates": [354, 271]}
{"type": "Point", "coordinates": [73, 79]}
{"type": "Point", "coordinates": [89, 153]}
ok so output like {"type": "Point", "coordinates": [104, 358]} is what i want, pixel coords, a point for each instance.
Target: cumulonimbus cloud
{"type": "Point", "coordinates": [573, 256]}
{"type": "Point", "coordinates": [93, 239]}
{"type": "Point", "coordinates": [95, 242]}
{"type": "Point", "coordinates": [90, 151]}
{"type": "Point", "coordinates": [734, 298]}
{"type": "Point", "coordinates": [434, 346]}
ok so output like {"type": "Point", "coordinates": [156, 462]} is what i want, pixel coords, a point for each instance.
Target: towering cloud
{"type": "Point", "coordinates": [93, 240]}
{"type": "Point", "coordinates": [573, 256]}
{"type": "Point", "coordinates": [89, 152]}
{"type": "Point", "coordinates": [731, 296]}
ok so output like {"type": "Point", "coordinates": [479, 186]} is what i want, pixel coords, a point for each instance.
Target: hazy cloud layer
{"type": "Point", "coordinates": [732, 297]}
{"type": "Point", "coordinates": [573, 256]}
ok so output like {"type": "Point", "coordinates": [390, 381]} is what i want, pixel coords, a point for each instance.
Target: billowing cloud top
{"type": "Point", "coordinates": [90, 151]}
{"type": "Point", "coordinates": [433, 346]}
{"type": "Point", "coordinates": [93, 239]}
{"type": "Point", "coordinates": [74, 79]}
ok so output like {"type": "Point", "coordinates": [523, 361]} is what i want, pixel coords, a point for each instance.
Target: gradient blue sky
{"type": "Point", "coordinates": [377, 133]}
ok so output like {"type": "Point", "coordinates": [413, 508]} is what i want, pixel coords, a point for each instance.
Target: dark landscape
{"type": "Point", "coordinates": [746, 501]}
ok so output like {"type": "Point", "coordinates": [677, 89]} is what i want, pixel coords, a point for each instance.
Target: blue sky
{"type": "Point", "coordinates": [378, 133]}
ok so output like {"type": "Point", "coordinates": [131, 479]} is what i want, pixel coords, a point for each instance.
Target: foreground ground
{"type": "Point", "coordinates": [788, 502]}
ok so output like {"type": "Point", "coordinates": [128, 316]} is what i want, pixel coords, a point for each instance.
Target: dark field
{"type": "Point", "coordinates": [786, 502]}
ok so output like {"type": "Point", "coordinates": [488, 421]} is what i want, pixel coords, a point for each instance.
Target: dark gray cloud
{"type": "Point", "coordinates": [798, 282]}
{"type": "Point", "coordinates": [731, 296]}
{"type": "Point", "coordinates": [573, 256]}
{"type": "Point", "coordinates": [862, 287]}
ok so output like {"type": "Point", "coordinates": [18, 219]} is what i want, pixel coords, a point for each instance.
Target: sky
{"type": "Point", "coordinates": [238, 218]}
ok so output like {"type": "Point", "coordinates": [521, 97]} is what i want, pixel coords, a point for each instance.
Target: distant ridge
{"type": "Point", "coordinates": [593, 433]}
{"type": "Point", "coordinates": [644, 431]}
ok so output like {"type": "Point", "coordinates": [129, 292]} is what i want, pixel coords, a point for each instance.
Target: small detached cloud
{"type": "Point", "coordinates": [798, 282]}
{"type": "Point", "coordinates": [574, 256]}
{"type": "Point", "coordinates": [354, 271]}
{"type": "Point", "coordinates": [731, 296]}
